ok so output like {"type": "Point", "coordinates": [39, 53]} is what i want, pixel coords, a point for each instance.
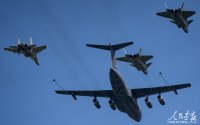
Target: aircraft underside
{"type": "Point", "coordinates": [127, 105]}
{"type": "Point", "coordinates": [123, 98]}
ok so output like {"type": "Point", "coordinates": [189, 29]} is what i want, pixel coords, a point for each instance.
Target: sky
{"type": "Point", "coordinates": [27, 91]}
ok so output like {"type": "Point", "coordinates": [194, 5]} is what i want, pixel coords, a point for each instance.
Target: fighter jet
{"type": "Point", "coordinates": [178, 16]}
{"type": "Point", "coordinates": [27, 50]}
{"type": "Point", "coordinates": [121, 97]}
{"type": "Point", "coordinates": [137, 60]}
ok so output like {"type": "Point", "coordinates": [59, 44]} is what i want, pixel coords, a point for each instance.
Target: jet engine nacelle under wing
{"type": "Point", "coordinates": [161, 100]}
{"type": "Point", "coordinates": [148, 102]}
{"type": "Point", "coordinates": [112, 105]}
{"type": "Point", "coordinates": [96, 103]}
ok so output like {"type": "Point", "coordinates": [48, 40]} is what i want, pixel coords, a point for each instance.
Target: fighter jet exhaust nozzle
{"type": "Point", "coordinates": [148, 102]}
{"type": "Point", "coordinates": [180, 9]}
{"type": "Point", "coordinates": [136, 55]}
{"type": "Point", "coordinates": [161, 100]}
{"type": "Point", "coordinates": [112, 105]}
{"type": "Point", "coordinates": [96, 103]}
{"type": "Point", "coordinates": [129, 55]}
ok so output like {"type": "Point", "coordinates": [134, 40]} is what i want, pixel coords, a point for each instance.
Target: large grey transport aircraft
{"type": "Point", "coordinates": [178, 16]}
{"type": "Point", "coordinates": [121, 97]}
{"type": "Point", "coordinates": [138, 61]}
{"type": "Point", "coordinates": [27, 50]}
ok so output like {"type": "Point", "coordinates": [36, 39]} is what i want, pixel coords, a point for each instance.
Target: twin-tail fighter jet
{"type": "Point", "coordinates": [178, 16]}
{"type": "Point", "coordinates": [138, 61]}
{"type": "Point", "coordinates": [27, 50]}
{"type": "Point", "coordinates": [121, 97]}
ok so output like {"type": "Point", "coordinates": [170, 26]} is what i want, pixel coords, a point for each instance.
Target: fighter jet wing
{"type": "Point", "coordinates": [187, 14]}
{"type": "Point", "coordinates": [143, 92]}
{"type": "Point", "coordinates": [39, 49]}
{"type": "Point", "coordinates": [32, 46]}
{"type": "Point", "coordinates": [146, 58]}
{"type": "Point", "coordinates": [164, 14]}
{"type": "Point", "coordinates": [98, 93]}
{"type": "Point", "coordinates": [12, 49]}
{"type": "Point", "coordinates": [125, 59]}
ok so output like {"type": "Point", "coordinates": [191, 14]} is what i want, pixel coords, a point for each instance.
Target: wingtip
{"type": "Point", "coordinates": [128, 43]}
{"type": "Point", "coordinates": [87, 44]}
{"type": "Point", "coordinates": [117, 58]}
{"type": "Point", "coordinates": [131, 43]}
{"type": "Point", "coordinates": [90, 45]}
{"type": "Point", "coordinates": [158, 14]}
{"type": "Point", "coordinates": [56, 91]}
